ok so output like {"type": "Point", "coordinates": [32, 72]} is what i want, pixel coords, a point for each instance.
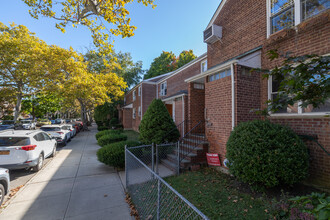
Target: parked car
{"type": "Point", "coordinates": [25, 149]}
{"type": "Point", "coordinates": [7, 124]}
{"type": "Point", "coordinates": [59, 121]}
{"type": "Point", "coordinates": [55, 131]}
{"type": "Point", "coordinates": [70, 129]}
{"type": "Point", "coordinates": [4, 183]}
{"type": "Point", "coordinates": [26, 124]}
{"type": "Point", "coordinates": [42, 122]}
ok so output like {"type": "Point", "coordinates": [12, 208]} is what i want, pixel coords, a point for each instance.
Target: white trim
{"type": "Point", "coordinates": [157, 91]}
{"type": "Point", "coordinates": [297, 12]}
{"type": "Point", "coordinates": [268, 17]}
{"type": "Point", "coordinates": [173, 110]}
{"type": "Point", "coordinates": [217, 12]}
{"type": "Point", "coordinates": [203, 62]}
{"type": "Point", "coordinates": [128, 106]}
{"type": "Point", "coordinates": [173, 97]}
{"type": "Point", "coordinates": [211, 71]}
{"type": "Point", "coordinates": [183, 118]}
{"type": "Point", "coordinates": [203, 56]}
{"type": "Point", "coordinates": [134, 95]}
{"type": "Point", "coordinates": [312, 114]}
{"type": "Point", "coordinates": [232, 96]}
{"type": "Point", "coordinates": [141, 100]}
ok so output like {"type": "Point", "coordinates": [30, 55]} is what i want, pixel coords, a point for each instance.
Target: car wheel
{"type": "Point", "coordinates": [54, 151]}
{"type": "Point", "coordinates": [2, 193]}
{"type": "Point", "coordinates": [65, 142]}
{"type": "Point", "coordinates": [40, 163]}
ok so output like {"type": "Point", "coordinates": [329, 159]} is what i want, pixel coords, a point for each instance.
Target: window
{"type": "Point", "coordinates": [220, 75]}
{"type": "Point", "coordinates": [309, 8]}
{"type": "Point", "coordinates": [163, 89]}
{"type": "Point", "coordinates": [287, 13]}
{"type": "Point", "coordinates": [204, 66]}
{"type": "Point", "coordinates": [139, 91]}
{"type": "Point", "coordinates": [134, 114]}
{"type": "Point", "coordinates": [282, 14]}
{"type": "Point", "coordinates": [295, 109]}
{"type": "Point", "coordinates": [124, 100]}
{"type": "Point", "coordinates": [134, 96]}
{"type": "Point", "coordinates": [139, 111]}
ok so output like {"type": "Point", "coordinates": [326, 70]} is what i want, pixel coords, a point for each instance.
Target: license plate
{"type": "Point", "coordinates": [4, 152]}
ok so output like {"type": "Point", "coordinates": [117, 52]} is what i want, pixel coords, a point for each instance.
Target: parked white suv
{"type": "Point", "coordinates": [69, 128]}
{"type": "Point", "coordinates": [4, 183]}
{"type": "Point", "coordinates": [55, 131]}
{"type": "Point", "coordinates": [21, 149]}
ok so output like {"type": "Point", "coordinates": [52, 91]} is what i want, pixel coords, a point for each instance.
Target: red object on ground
{"type": "Point", "coordinates": [213, 159]}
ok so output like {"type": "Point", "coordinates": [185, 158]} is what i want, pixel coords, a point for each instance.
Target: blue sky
{"type": "Point", "coordinates": [174, 25]}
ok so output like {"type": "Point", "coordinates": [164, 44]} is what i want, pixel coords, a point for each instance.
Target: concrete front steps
{"type": "Point", "coordinates": [195, 158]}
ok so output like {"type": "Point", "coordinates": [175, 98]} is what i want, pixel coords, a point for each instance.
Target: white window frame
{"type": "Point", "coordinates": [125, 100]}
{"type": "Point", "coordinates": [173, 111]}
{"type": "Point", "coordinates": [139, 111]}
{"type": "Point", "coordinates": [139, 91]}
{"type": "Point", "coordinates": [204, 62]}
{"type": "Point", "coordinates": [134, 113]}
{"type": "Point", "coordinates": [298, 17]}
{"type": "Point", "coordinates": [300, 109]}
{"type": "Point", "coordinates": [163, 89]}
{"type": "Point", "coordinates": [134, 95]}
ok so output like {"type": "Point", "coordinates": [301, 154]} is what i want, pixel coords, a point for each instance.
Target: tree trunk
{"type": "Point", "coordinates": [83, 115]}
{"type": "Point", "coordinates": [18, 106]}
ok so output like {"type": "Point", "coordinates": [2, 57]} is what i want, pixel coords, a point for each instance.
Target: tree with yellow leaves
{"type": "Point", "coordinates": [101, 17]}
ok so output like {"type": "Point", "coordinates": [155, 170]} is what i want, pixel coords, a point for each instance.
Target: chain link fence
{"type": "Point", "coordinates": [151, 195]}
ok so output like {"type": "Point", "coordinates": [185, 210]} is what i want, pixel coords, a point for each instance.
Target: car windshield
{"type": "Point", "coordinates": [66, 127]}
{"type": "Point", "coordinates": [50, 128]}
{"type": "Point", "coordinates": [26, 121]}
{"type": "Point", "coordinates": [14, 141]}
{"type": "Point", "coordinates": [8, 122]}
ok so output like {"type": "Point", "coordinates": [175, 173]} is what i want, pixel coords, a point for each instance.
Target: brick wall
{"type": "Point", "coordinates": [218, 104]}
{"type": "Point", "coordinates": [247, 94]}
{"type": "Point", "coordinates": [196, 105]}
{"type": "Point", "coordinates": [319, 160]}
{"type": "Point", "coordinates": [310, 37]}
{"type": "Point", "coordinates": [148, 94]}
{"type": "Point", "coordinates": [243, 28]}
{"type": "Point", "coordinates": [177, 82]}
{"type": "Point", "coordinates": [127, 118]}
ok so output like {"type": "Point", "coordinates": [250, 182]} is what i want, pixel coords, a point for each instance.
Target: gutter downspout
{"type": "Point", "coordinates": [156, 91]}
{"type": "Point", "coordinates": [141, 102]}
{"type": "Point", "coordinates": [232, 95]}
{"type": "Point", "coordinates": [183, 118]}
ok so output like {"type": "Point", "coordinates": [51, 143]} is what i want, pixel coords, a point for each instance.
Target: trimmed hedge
{"type": "Point", "coordinates": [105, 132]}
{"type": "Point", "coordinates": [264, 154]}
{"type": "Point", "coordinates": [157, 126]}
{"type": "Point", "coordinates": [102, 128]}
{"type": "Point", "coordinates": [111, 138]}
{"type": "Point", "coordinates": [114, 154]}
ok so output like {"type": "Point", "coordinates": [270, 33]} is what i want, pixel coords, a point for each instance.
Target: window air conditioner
{"type": "Point", "coordinates": [212, 34]}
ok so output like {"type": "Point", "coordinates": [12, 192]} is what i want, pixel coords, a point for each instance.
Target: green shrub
{"type": "Point", "coordinates": [105, 132]}
{"type": "Point", "coordinates": [114, 122]}
{"type": "Point", "coordinates": [264, 154]}
{"type": "Point", "coordinates": [157, 126]}
{"type": "Point", "coordinates": [114, 154]}
{"type": "Point", "coordinates": [102, 128]}
{"type": "Point", "coordinates": [111, 138]}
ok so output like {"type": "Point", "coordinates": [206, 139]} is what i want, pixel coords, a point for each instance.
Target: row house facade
{"type": "Point", "coordinates": [171, 88]}
{"type": "Point", "coordinates": [220, 88]}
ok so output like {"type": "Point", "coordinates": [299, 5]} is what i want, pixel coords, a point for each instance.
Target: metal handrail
{"type": "Point", "coordinates": [195, 139]}
{"type": "Point", "coordinates": [176, 128]}
{"type": "Point", "coordinates": [311, 138]}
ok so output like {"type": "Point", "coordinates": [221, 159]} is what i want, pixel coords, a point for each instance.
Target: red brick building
{"type": "Point", "coordinates": [223, 94]}
{"type": "Point", "coordinates": [246, 30]}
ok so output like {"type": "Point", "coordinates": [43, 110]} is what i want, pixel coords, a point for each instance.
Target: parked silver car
{"type": "Point", "coordinates": [4, 183]}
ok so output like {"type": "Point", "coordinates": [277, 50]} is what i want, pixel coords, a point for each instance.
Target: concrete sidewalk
{"type": "Point", "coordinates": [74, 185]}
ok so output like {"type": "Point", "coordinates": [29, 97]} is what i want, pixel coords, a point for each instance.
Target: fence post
{"type": "Point", "coordinates": [178, 157]}
{"type": "Point", "coordinates": [152, 157]}
{"type": "Point", "coordinates": [126, 169]}
{"type": "Point", "coordinates": [158, 200]}
{"type": "Point", "coordinates": [157, 159]}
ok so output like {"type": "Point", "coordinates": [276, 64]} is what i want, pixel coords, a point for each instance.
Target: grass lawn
{"type": "Point", "coordinates": [215, 194]}
{"type": "Point", "coordinates": [132, 135]}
